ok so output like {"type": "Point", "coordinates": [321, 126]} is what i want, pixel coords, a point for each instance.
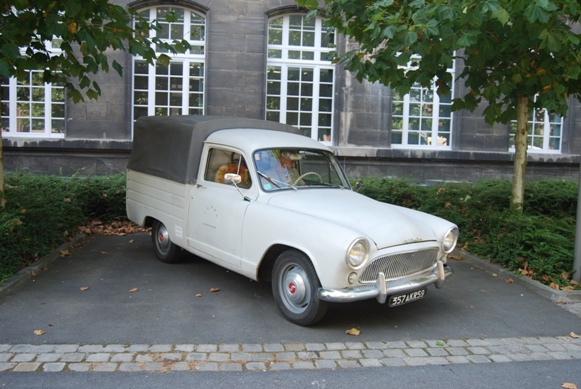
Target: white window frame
{"type": "Point", "coordinates": [435, 132]}
{"type": "Point", "coordinates": [13, 118]}
{"type": "Point", "coordinates": [547, 123]}
{"type": "Point", "coordinates": [196, 57]}
{"type": "Point", "coordinates": [317, 64]}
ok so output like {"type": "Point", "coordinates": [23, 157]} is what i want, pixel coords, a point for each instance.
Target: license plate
{"type": "Point", "coordinates": [401, 299]}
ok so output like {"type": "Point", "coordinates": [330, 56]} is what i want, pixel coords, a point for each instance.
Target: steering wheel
{"type": "Point", "coordinates": [308, 174]}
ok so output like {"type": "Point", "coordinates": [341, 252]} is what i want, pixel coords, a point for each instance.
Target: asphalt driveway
{"type": "Point", "coordinates": [112, 289]}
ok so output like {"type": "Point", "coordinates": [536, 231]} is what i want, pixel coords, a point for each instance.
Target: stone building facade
{"type": "Point", "coordinates": [264, 59]}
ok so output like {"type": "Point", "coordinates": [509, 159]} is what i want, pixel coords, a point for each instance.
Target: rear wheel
{"type": "Point", "coordinates": [294, 286]}
{"type": "Point", "coordinates": [164, 249]}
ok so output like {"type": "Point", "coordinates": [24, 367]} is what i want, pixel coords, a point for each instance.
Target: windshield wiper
{"type": "Point", "coordinates": [261, 174]}
{"type": "Point", "coordinates": [275, 182]}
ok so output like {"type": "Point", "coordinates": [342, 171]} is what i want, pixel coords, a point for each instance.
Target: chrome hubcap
{"type": "Point", "coordinates": [295, 289]}
{"type": "Point", "coordinates": [163, 241]}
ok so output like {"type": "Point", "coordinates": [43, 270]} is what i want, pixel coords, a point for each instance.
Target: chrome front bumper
{"type": "Point", "coordinates": [380, 291]}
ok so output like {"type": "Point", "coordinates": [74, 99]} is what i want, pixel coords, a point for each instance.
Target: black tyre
{"type": "Point", "coordinates": [294, 286]}
{"type": "Point", "coordinates": [165, 250]}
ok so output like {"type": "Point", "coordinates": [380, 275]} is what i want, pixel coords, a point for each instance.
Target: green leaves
{"type": "Point", "coordinates": [539, 10]}
{"type": "Point", "coordinates": [88, 27]}
{"type": "Point", "coordinates": [508, 47]}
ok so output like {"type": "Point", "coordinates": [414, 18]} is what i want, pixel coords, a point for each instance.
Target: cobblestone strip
{"type": "Point", "coordinates": [282, 356]}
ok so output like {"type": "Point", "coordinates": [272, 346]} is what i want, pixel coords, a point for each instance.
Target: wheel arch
{"type": "Point", "coordinates": [264, 273]}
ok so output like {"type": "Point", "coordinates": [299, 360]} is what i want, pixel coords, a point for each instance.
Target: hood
{"type": "Point", "coordinates": [385, 224]}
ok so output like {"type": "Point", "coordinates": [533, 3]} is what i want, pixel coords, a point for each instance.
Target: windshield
{"type": "Point", "coordinates": [298, 169]}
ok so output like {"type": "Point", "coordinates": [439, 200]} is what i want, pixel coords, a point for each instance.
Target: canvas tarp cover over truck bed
{"type": "Point", "coordinates": [170, 146]}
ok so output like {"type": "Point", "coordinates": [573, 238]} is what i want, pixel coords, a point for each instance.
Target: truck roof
{"type": "Point", "coordinates": [170, 146]}
{"type": "Point", "coordinates": [251, 140]}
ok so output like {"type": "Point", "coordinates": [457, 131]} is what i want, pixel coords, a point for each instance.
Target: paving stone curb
{"type": "Point", "coordinates": [281, 356]}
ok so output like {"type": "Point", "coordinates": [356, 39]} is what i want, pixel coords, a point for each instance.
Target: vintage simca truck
{"type": "Point", "coordinates": [261, 200]}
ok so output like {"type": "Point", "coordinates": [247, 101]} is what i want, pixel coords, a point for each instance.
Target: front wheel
{"type": "Point", "coordinates": [164, 248]}
{"type": "Point", "coordinates": [294, 286]}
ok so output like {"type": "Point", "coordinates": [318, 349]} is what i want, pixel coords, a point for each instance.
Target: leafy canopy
{"type": "Point", "coordinates": [510, 48]}
{"type": "Point", "coordinates": [86, 31]}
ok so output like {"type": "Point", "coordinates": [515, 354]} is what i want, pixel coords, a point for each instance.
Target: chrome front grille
{"type": "Point", "coordinates": [400, 265]}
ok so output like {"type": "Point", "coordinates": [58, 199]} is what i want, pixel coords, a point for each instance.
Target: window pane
{"type": "Point", "coordinates": [326, 75]}
{"type": "Point", "coordinates": [275, 37]}
{"type": "Point", "coordinates": [325, 90]}
{"type": "Point", "coordinates": [325, 120]}
{"type": "Point", "coordinates": [273, 116]}
{"type": "Point", "coordinates": [293, 89]}
{"type": "Point", "coordinates": [300, 73]}
{"type": "Point", "coordinates": [273, 88]}
{"type": "Point", "coordinates": [396, 137]}
{"type": "Point", "coordinates": [274, 73]}
{"type": "Point", "coordinates": [294, 38]}
{"type": "Point", "coordinates": [306, 89]}
{"type": "Point", "coordinates": [292, 104]}
{"type": "Point", "coordinates": [273, 102]}
{"type": "Point", "coordinates": [292, 118]}
{"type": "Point", "coordinates": [309, 39]}
{"type": "Point", "coordinates": [294, 74]}
{"type": "Point", "coordinates": [158, 101]}
{"type": "Point", "coordinates": [58, 126]}
{"type": "Point", "coordinates": [325, 105]}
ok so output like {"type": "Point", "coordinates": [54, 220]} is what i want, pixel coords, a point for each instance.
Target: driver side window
{"type": "Point", "coordinates": [222, 162]}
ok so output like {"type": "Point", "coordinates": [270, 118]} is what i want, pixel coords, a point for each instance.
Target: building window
{"type": "Point", "coordinates": [545, 132]}
{"type": "Point", "coordinates": [31, 108]}
{"type": "Point", "coordinates": [177, 89]}
{"type": "Point", "coordinates": [422, 118]}
{"type": "Point", "coordinates": [300, 75]}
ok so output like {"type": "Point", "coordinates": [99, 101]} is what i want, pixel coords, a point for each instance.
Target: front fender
{"type": "Point", "coordinates": [323, 242]}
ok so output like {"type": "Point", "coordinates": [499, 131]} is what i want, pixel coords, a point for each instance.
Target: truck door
{"type": "Point", "coordinates": [217, 207]}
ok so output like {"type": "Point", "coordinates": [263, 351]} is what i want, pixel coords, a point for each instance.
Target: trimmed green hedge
{"type": "Point", "coordinates": [539, 241]}
{"type": "Point", "coordinates": [43, 211]}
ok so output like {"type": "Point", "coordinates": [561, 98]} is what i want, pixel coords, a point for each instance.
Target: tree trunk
{"type": "Point", "coordinates": [2, 195]}
{"type": "Point", "coordinates": [520, 155]}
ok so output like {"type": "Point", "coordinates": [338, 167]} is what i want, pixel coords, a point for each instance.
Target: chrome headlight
{"type": "Point", "coordinates": [357, 254]}
{"type": "Point", "coordinates": [450, 239]}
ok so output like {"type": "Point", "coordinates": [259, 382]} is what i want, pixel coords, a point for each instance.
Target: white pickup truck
{"type": "Point", "coordinates": [263, 201]}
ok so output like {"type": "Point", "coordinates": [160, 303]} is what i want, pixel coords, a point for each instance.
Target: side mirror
{"type": "Point", "coordinates": [232, 178]}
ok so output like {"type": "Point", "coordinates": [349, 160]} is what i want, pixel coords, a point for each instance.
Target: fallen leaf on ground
{"type": "Point", "coordinates": [574, 335]}
{"type": "Point", "coordinates": [353, 332]}
{"type": "Point", "coordinates": [509, 281]}
{"type": "Point", "coordinates": [119, 228]}
{"type": "Point", "coordinates": [198, 295]}
{"type": "Point", "coordinates": [494, 275]}
{"type": "Point", "coordinates": [39, 332]}
{"type": "Point", "coordinates": [555, 286]}
{"type": "Point", "coordinates": [213, 290]}
{"type": "Point", "coordinates": [83, 288]}
{"type": "Point", "coordinates": [133, 290]}
{"type": "Point", "coordinates": [569, 385]}
{"type": "Point", "coordinates": [64, 253]}
{"type": "Point", "coordinates": [456, 257]}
